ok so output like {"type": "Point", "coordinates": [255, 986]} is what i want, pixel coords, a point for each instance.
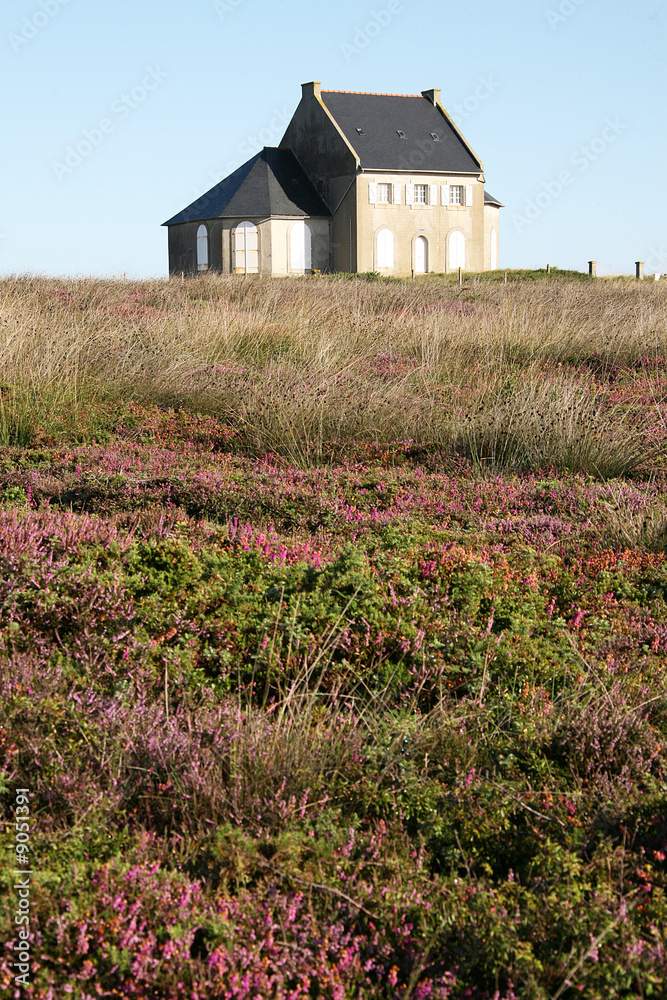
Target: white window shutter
{"type": "Point", "coordinates": [409, 194]}
{"type": "Point", "coordinates": [468, 195]}
{"type": "Point", "coordinates": [373, 194]}
{"type": "Point", "coordinates": [444, 194]}
{"type": "Point", "coordinates": [433, 194]}
{"type": "Point", "coordinates": [397, 194]}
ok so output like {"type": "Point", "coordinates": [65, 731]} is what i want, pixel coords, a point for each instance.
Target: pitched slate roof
{"type": "Point", "coordinates": [490, 200]}
{"type": "Point", "coordinates": [381, 116]}
{"type": "Point", "coordinates": [271, 183]}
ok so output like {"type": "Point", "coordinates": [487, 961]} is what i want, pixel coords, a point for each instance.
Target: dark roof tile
{"type": "Point", "coordinates": [383, 116]}
{"type": "Point", "coordinates": [490, 200]}
{"type": "Point", "coordinates": [271, 183]}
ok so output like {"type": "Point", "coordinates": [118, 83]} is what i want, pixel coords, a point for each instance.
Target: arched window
{"type": "Point", "coordinates": [457, 250]}
{"type": "Point", "coordinates": [246, 249]}
{"type": "Point", "coordinates": [385, 248]}
{"type": "Point", "coordinates": [421, 255]}
{"type": "Point", "coordinates": [202, 248]}
{"type": "Point", "coordinates": [301, 247]}
{"type": "Point", "coordinates": [494, 250]}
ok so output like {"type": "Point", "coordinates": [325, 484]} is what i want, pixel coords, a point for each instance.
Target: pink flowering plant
{"type": "Point", "coordinates": [333, 640]}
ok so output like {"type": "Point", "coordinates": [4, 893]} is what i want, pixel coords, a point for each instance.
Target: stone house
{"type": "Point", "coordinates": [360, 182]}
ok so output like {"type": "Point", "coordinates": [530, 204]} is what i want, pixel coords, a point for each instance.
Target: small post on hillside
{"type": "Point", "coordinates": [639, 270]}
{"type": "Point", "coordinates": [548, 268]}
{"type": "Point", "coordinates": [413, 274]}
{"type": "Point", "coordinates": [460, 277]}
{"type": "Point", "coordinates": [593, 268]}
{"type": "Point", "coordinates": [505, 277]}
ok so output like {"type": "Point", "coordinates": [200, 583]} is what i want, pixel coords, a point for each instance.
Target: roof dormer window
{"type": "Point", "coordinates": [400, 133]}
{"type": "Point", "coordinates": [435, 137]}
{"type": "Point", "coordinates": [360, 131]}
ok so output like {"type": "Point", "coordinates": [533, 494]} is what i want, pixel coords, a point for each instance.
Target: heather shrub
{"type": "Point", "coordinates": [332, 632]}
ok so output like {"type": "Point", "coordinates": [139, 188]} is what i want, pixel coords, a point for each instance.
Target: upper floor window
{"type": "Point", "coordinates": [384, 194]}
{"type": "Point", "coordinates": [456, 194]}
{"type": "Point", "coordinates": [202, 248]}
{"type": "Point", "coordinates": [421, 194]}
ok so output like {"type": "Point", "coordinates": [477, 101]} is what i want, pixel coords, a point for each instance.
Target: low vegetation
{"type": "Point", "coordinates": [333, 622]}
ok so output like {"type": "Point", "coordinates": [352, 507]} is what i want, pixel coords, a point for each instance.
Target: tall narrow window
{"type": "Point", "coordinates": [421, 255]}
{"type": "Point", "coordinates": [246, 249]}
{"type": "Point", "coordinates": [202, 248]}
{"type": "Point", "coordinates": [385, 248]}
{"type": "Point", "coordinates": [456, 194]}
{"type": "Point", "coordinates": [457, 250]}
{"type": "Point", "coordinates": [421, 194]}
{"type": "Point", "coordinates": [301, 247]}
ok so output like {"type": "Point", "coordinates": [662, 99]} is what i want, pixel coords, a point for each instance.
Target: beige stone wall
{"type": "Point", "coordinates": [435, 222]}
{"type": "Point", "coordinates": [491, 222]}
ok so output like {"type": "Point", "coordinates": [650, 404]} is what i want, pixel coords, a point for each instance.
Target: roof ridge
{"type": "Point", "coordinates": [369, 93]}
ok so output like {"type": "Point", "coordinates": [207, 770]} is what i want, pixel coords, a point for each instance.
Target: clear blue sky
{"type": "Point", "coordinates": [565, 101]}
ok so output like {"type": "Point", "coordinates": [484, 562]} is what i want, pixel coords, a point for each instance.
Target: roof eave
{"type": "Point", "coordinates": [461, 136]}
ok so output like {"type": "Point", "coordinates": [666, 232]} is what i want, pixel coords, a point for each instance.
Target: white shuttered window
{"type": "Point", "coordinates": [457, 250]}
{"type": "Point", "coordinates": [469, 195]}
{"type": "Point", "coordinates": [385, 248]}
{"type": "Point", "coordinates": [202, 248]}
{"type": "Point", "coordinates": [246, 249]}
{"type": "Point", "coordinates": [372, 194]}
{"type": "Point", "coordinates": [409, 194]}
{"type": "Point", "coordinates": [444, 194]}
{"type": "Point", "coordinates": [397, 194]}
{"type": "Point", "coordinates": [433, 194]}
{"type": "Point", "coordinates": [301, 247]}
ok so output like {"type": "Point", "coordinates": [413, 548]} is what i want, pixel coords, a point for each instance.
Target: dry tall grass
{"type": "Point", "coordinates": [517, 375]}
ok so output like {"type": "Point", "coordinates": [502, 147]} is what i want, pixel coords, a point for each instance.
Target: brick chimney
{"type": "Point", "coordinates": [432, 95]}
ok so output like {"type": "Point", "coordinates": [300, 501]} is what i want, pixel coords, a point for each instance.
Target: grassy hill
{"type": "Point", "coordinates": [333, 629]}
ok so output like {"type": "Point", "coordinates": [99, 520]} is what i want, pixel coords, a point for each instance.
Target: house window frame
{"type": "Point", "coordinates": [245, 226]}
{"type": "Point", "coordinates": [389, 189]}
{"type": "Point", "coordinates": [378, 234]}
{"type": "Point", "coordinates": [422, 189]}
{"type": "Point", "coordinates": [203, 248]}
{"type": "Point", "coordinates": [454, 266]}
{"type": "Point", "coordinates": [309, 238]}
{"type": "Point", "coordinates": [459, 200]}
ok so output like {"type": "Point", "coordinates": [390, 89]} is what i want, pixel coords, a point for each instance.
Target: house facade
{"type": "Point", "coordinates": [360, 182]}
